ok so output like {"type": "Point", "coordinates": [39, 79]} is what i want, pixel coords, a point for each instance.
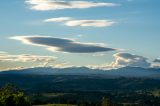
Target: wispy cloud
{"type": "Point", "coordinates": [44, 5]}
{"type": "Point", "coordinates": [2, 52]}
{"type": "Point", "coordinates": [59, 19]}
{"type": "Point", "coordinates": [63, 65]}
{"type": "Point", "coordinates": [10, 61]}
{"type": "Point", "coordinates": [63, 44]}
{"type": "Point", "coordinates": [68, 21]}
{"type": "Point", "coordinates": [26, 58]}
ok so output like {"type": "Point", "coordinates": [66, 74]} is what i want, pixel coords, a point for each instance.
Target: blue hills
{"type": "Point", "coordinates": [121, 72]}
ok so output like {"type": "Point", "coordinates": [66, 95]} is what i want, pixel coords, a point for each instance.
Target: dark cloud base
{"type": "Point", "coordinates": [157, 60]}
{"type": "Point", "coordinates": [64, 45]}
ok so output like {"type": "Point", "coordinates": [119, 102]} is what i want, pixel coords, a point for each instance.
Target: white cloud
{"type": "Point", "coordinates": [123, 60]}
{"type": "Point", "coordinates": [68, 21]}
{"type": "Point", "coordinates": [128, 59]}
{"type": "Point", "coordinates": [155, 65]}
{"type": "Point", "coordinates": [59, 19]}
{"type": "Point", "coordinates": [44, 5]}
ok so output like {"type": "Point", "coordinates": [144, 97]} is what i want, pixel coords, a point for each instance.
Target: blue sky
{"type": "Point", "coordinates": [135, 30]}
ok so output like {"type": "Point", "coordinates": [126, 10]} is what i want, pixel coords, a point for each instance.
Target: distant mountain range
{"type": "Point", "coordinates": [47, 79]}
{"type": "Point", "coordinates": [121, 72]}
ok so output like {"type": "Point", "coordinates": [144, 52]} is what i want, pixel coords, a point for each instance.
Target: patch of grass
{"type": "Point", "coordinates": [54, 94]}
{"type": "Point", "coordinates": [156, 93]}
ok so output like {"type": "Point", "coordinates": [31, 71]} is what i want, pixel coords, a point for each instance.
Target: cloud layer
{"type": "Point", "coordinates": [128, 59]}
{"type": "Point", "coordinates": [44, 5]}
{"type": "Point", "coordinates": [11, 61]}
{"type": "Point", "coordinates": [68, 21]}
{"type": "Point", "coordinates": [26, 58]}
{"type": "Point", "coordinates": [63, 45]}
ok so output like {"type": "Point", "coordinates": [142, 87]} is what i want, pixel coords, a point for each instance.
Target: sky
{"type": "Point", "coordinates": [93, 33]}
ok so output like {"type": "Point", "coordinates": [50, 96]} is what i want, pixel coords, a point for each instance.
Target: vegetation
{"type": "Point", "coordinates": [48, 83]}
{"type": "Point", "coordinates": [107, 102]}
{"type": "Point", "coordinates": [59, 90]}
{"type": "Point", "coordinates": [55, 105]}
{"type": "Point", "coordinates": [10, 96]}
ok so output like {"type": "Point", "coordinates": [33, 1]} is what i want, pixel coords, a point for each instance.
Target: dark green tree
{"type": "Point", "coordinates": [10, 96]}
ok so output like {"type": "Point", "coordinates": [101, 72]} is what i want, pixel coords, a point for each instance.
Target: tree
{"type": "Point", "coordinates": [10, 96]}
{"type": "Point", "coordinates": [106, 102]}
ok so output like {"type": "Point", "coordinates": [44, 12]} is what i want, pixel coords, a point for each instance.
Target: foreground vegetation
{"type": "Point", "coordinates": [78, 91]}
{"type": "Point", "coordinates": [55, 105]}
{"type": "Point", "coordinates": [10, 96]}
